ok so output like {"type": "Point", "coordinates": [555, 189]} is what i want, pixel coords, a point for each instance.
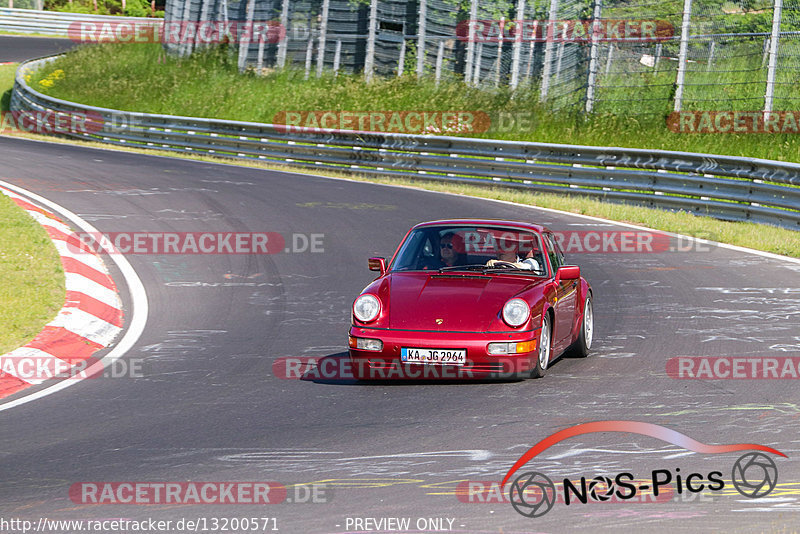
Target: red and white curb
{"type": "Point", "coordinates": [89, 321]}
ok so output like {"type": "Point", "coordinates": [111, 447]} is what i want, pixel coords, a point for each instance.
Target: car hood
{"type": "Point", "coordinates": [452, 301]}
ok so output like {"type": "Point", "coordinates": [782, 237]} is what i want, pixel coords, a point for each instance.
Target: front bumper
{"type": "Point", "coordinates": [386, 363]}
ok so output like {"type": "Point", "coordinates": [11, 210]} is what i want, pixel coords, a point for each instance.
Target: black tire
{"type": "Point", "coordinates": [582, 345]}
{"type": "Point", "coordinates": [544, 346]}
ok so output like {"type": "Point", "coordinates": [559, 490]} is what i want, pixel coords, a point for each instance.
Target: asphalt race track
{"type": "Point", "coordinates": [210, 408]}
{"type": "Point", "coordinates": [17, 48]}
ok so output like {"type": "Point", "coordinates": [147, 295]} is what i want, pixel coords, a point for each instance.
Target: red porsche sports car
{"type": "Point", "coordinates": [470, 299]}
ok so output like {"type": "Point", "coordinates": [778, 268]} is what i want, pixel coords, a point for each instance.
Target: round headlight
{"type": "Point", "coordinates": [366, 308]}
{"type": "Point", "coordinates": [516, 312]}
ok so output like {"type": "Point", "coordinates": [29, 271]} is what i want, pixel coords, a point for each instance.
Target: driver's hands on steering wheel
{"type": "Point", "coordinates": [501, 263]}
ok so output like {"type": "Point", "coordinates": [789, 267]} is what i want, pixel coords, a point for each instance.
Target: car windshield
{"type": "Point", "coordinates": [471, 248]}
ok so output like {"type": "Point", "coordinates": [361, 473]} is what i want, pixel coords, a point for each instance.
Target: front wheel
{"type": "Point", "coordinates": [543, 355]}
{"type": "Point", "coordinates": [584, 342]}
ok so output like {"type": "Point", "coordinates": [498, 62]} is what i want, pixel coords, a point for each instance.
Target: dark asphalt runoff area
{"type": "Point", "coordinates": [14, 48]}
{"type": "Point", "coordinates": [209, 407]}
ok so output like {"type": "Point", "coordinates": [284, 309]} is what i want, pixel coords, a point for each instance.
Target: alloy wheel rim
{"type": "Point", "coordinates": [588, 323]}
{"type": "Point", "coordinates": [544, 346]}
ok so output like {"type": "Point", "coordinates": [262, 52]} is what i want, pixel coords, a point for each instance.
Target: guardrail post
{"type": "Point", "coordinates": [499, 59]}
{"type": "Point", "coordinates": [283, 45]}
{"type": "Point", "coordinates": [260, 61]}
{"type": "Point", "coordinates": [590, 86]}
{"type": "Point", "coordinates": [548, 49]}
{"type": "Point", "coordinates": [684, 48]}
{"type": "Point", "coordinates": [531, 50]}
{"type": "Point", "coordinates": [473, 14]}
{"type": "Point", "coordinates": [712, 48]}
{"type": "Point", "coordinates": [309, 52]}
{"type": "Point", "coordinates": [517, 47]}
{"type": "Point", "coordinates": [401, 63]}
{"type": "Point", "coordinates": [657, 58]}
{"type": "Point", "coordinates": [204, 5]}
{"type": "Point", "coordinates": [369, 61]}
{"type": "Point", "coordinates": [244, 44]}
{"type": "Point", "coordinates": [323, 33]}
{"type": "Point", "coordinates": [560, 54]}
{"type": "Point", "coordinates": [183, 48]}
{"type": "Point", "coordinates": [773, 57]}
{"type": "Point", "coordinates": [337, 57]}
{"type": "Point", "coordinates": [439, 58]}
{"type": "Point", "coordinates": [421, 28]}
{"type": "Point", "coordinates": [476, 75]}
{"type": "Point", "coordinates": [609, 58]}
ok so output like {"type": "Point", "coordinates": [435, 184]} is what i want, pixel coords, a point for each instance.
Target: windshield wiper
{"type": "Point", "coordinates": [472, 267]}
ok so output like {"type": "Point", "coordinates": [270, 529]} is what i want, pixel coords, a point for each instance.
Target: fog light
{"type": "Point", "coordinates": [511, 348]}
{"type": "Point", "coordinates": [501, 348]}
{"type": "Point", "coordinates": [362, 343]}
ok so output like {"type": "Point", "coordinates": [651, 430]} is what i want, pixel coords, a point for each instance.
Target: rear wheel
{"type": "Point", "coordinates": [584, 342]}
{"type": "Point", "coordinates": [543, 355]}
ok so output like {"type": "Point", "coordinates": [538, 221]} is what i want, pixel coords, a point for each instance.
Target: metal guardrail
{"type": "Point", "coordinates": [55, 22]}
{"type": "Point", "coordinates": [725, 187]}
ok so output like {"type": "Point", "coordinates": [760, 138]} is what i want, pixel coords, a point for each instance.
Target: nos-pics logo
{"type": "Point", "coordinates": [533, 494]}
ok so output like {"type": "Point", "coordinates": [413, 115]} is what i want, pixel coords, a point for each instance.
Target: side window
{"type": "Point", "coordinates": [554, 252]}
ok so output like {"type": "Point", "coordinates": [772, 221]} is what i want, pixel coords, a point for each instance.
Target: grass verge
{"type": "Point", "coordinates": [31, 277]}
{"type": "Point", "coordinates": [139, 77]}
{"type": "Point", "coordinates": [6, 85]}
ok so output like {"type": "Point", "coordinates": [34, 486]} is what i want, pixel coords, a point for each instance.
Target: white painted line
{"type": "Point", "coordinates": [139, 303]}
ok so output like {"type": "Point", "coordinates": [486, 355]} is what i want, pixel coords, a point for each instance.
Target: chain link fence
{"type": "Point", "coordinates": [636, 57]}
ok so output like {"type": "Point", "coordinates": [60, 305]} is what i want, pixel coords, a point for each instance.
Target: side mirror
{"type": "Point", "coordinates": [377, 264]}
{"type": "Point", "coordinates": [568, 272]}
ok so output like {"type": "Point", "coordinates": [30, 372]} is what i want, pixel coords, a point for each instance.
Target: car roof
{"type": "Point", "coordinates": [484, 222]}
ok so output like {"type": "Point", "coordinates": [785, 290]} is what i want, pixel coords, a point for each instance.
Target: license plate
{"type": "Point", "coordinates": [434, 356]}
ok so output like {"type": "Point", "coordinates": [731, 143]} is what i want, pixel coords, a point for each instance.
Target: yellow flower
{"type": "Point", "coordinates": [57, 74]}
{"type": "Point", "coordinates": [46, 83]}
